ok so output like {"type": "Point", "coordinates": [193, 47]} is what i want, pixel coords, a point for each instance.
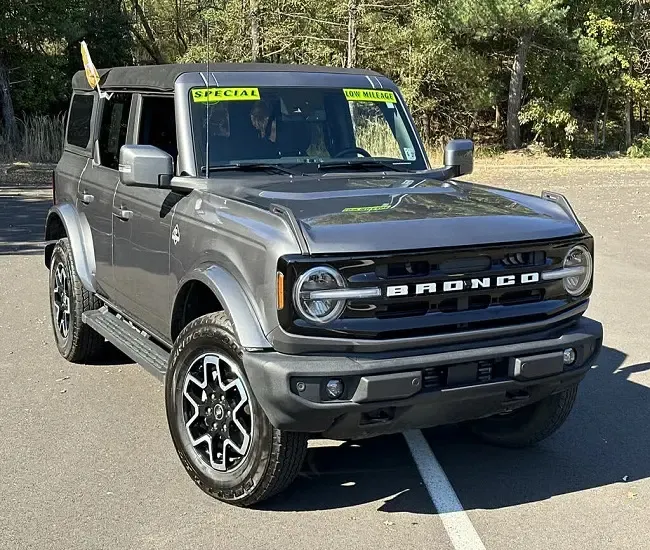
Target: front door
{"type": "Point", "coordinates": [141, 238]}
{"type": "Point", "coordinates": [142, 230]}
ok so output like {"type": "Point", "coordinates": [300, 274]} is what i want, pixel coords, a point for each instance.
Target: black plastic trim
{"type": "Point", "coordinates": [271, 373]}
{"type": "Point", "coordinates": [299, 344]}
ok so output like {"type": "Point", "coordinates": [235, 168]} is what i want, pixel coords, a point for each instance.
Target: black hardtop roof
{"type": "Point", "coordinates": [163, 77]}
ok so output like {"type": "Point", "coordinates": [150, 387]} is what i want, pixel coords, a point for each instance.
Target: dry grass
{"type": "Point", "coordinates": [39, 139]}
{"type": "Point", "coordinates": [377, 138]}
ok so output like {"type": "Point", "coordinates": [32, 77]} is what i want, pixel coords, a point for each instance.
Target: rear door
{"type": "Point", "coordinates": [142, 236]}
{"type": "Point", "coordinates": [97, 185]}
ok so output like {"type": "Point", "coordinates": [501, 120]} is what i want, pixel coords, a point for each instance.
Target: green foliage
{"type": "Point", "coordinates": [452, 59]}
{"type": "Point", "coordinates": [554, 127]}
{"type": "Point", "coordinates": [640, 149]}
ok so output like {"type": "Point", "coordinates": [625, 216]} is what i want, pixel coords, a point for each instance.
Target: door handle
{"type": "Point", "coordinates": [123, 213]}
{"type": "Point", "coordinates": [86, 198]}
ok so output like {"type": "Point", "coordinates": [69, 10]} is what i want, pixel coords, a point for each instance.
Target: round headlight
{"type": "Point", "coordinates": [578, 257]}
{"type": "Point", "coordinates": [318, 310]}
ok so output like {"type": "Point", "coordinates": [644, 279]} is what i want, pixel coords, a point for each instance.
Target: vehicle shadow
{"type": "Point", "coordinates": [378, 470]}
{"type": "Point", "coordinates": [110, 357]}
{"type": "Point", "coordinates": [606, 438]}
{"type": "Point", "coordinates": [605, 441]}
{"type": "Point", "coordinates": [22, 222]}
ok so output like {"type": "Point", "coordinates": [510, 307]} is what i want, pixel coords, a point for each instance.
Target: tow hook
{"type": "Point", "coordinates": [514, 398]}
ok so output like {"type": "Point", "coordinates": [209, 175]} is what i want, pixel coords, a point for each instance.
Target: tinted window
{"type": "Point", "coordinates": [158, 124]}
{"type": "Point", "coordinates": [81, 111]}
{"type": "Point", "coordinates": [112, 133]}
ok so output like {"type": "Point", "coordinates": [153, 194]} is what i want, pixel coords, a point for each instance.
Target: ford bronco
{"type": "Point", "coordinates": [273, 242]}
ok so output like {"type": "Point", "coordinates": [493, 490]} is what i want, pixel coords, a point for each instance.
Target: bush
{"type": "Point", "coordinates": [555, 127]}
{"type": "Point", "coordinates": [640, 149]}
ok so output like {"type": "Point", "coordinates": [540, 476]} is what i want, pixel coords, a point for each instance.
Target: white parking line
{"type": "Point", "coordinates": [455, 520]}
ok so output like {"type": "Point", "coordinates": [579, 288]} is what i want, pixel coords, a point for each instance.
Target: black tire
{"type": "Point", "coordinates": [80, 343]}
{"type": "Point", "coordinates": [529, 425]}
{"type": "Point", "coordinates": [273, 458]}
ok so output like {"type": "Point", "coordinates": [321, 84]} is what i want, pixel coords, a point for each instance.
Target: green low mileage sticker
{"type": "Point", "coordinates": [359, 94]}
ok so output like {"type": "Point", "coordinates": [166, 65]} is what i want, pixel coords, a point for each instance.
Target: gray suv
{"type": "Point", "coordinates": [272, 241]}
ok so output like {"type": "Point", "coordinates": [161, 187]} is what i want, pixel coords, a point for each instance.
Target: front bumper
{"type": "Point", "coordinates": [397, 391]}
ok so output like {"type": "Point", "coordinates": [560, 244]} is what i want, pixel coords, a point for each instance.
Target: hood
{"type": "Point", "coordinates": [371, 213]}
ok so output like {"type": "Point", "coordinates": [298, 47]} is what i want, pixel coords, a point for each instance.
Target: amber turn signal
{"type": "Point", "coordinates": [280, 290]}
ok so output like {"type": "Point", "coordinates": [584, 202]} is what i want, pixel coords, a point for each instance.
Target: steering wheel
{"type": "Point", "coordinates": [358, 150]}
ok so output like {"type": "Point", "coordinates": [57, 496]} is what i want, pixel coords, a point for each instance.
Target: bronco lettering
{"type": "Point", "coordinates": [463, 284]}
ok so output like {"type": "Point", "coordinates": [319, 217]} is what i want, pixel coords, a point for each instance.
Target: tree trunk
{"type": "Point", "coordinates": [497, 116]}
{"type": "Point", "coordinates": [628, 122]}
{"type": "Point", "coordinates": [516, 89]}
{"type": "Point", "coordinates": [9, 127]}
{"type": "Point", "coordinates": [353, 10]}
{"type": "Point", "coordinates": [597, 120]}
{"type": "Point", "coordinates": [180, 38]}
{"type": "Point", "coordinates": [605, 116]}
{"type": "Point", "coordinates": [149, 43]}
{"type": "Point", "coordinates": [255, 30]}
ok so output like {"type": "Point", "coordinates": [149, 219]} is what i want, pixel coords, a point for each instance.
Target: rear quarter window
{"type": "Point", "coordinates": [81, 111]}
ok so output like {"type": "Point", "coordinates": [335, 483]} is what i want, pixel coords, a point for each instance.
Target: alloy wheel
{"type": "Point", "coordinates": [217, 412]}
{"type": "Point", "coordinates": [61, 300]}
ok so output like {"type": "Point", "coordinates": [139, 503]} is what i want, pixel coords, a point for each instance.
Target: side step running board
{"type": "Point", "coordinates": [139, 348]}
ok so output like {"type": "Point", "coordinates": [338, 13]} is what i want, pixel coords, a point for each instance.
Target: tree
{"type": "Point", "coordinates": [518, 23]}
{"type": "Point", "coordinates": [353, 12]}
{"type": "Point", "coordinates": [566, 72]}
{"type": "Point", "coordinates": [255, 30]}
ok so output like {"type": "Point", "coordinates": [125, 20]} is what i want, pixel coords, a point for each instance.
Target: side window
{"type": "Point", "coordinates": [81, 111]}
{"type": "Point", "coordinates": [112, 132]}
{"type": "Point", "coordinates": [158, 124]}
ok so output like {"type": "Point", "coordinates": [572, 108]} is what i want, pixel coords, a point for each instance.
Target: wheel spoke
{"type": "Point", "coordinates": [216, 400]}
{"type": "Point", "coordinates": [61, 300]}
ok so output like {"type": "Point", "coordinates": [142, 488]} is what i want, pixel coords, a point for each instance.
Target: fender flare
{"type": "Point", "coordinates": [235, 302]}
{"type": "Point", "coordinates": [81, 242]}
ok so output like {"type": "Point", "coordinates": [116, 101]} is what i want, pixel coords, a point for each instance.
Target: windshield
{"type": "Point", "coordinates": [306, 126]}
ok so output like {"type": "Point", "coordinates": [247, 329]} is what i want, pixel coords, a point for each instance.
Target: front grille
{"type": "Point", "coordinates": [440, 268]}
{"type": "Point", "coordinates": [454, 266]}
{"type": "Point", "coordinates": [467, 303]}
{"type": "Point", "coordinates": [480, 372]}
{"type": "Point", "coordinates": [520, 259]}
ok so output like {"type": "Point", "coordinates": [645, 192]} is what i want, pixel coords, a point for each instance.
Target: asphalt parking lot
{"type": "Point", "coordinates": [86, 460]}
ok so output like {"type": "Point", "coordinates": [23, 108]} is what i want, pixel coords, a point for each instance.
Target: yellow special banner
{"type": "Point", "coordinates": [213, 95]}
{"type": "Point", "coordinates": [357, 94]}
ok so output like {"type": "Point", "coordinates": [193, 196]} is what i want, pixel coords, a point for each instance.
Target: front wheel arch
{"type": "Point", "coordinates": [228, 296]}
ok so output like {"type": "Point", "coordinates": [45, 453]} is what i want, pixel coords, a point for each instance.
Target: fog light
{"type": "Point", "coordinates": [335, 388]}
{"type": "Point", "coordinates": [569, 356]}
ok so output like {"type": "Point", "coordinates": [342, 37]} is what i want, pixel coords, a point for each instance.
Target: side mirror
{"type": "Point", "coordinates": [459, 157]}
{"type": "Point", "coordinates": [145, 166]}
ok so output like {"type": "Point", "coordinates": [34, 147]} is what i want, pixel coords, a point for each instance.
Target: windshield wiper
{"type": "Point", "coordinates": [248, 167]}
{"type": "Point", "coordinates": [359, 163]}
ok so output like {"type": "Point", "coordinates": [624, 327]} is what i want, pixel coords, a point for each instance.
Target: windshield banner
{"type": "Point", "coordinates": [213, 95]}
{"type": "Point", "coordinates": [382, 96]}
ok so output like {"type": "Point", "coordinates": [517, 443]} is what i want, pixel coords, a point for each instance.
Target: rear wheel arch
{"type": "Point", "coordinates": [63, 220]}
{"type": "Point", "coordinates": [54, 231]}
